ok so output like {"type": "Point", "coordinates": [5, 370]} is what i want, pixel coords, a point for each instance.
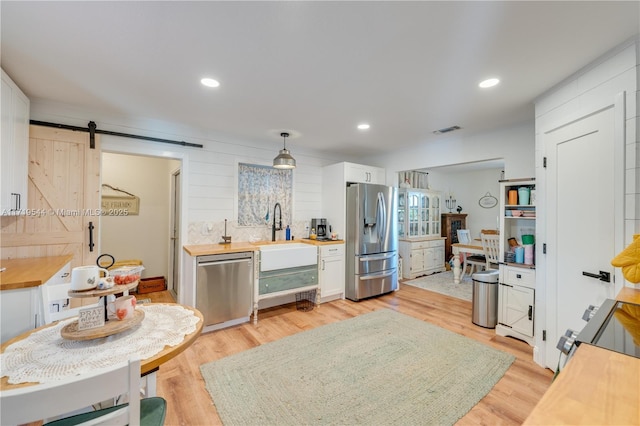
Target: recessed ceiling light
{"type": "Point", "coordinates": [489, 83]}
{"type": "Point", "coordinates": [209, 82]}
{"type": "Point", "coordinates": [363, 126]}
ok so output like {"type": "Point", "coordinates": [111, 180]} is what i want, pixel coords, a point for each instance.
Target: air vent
{"type": "Point", "coordinates": [446, 130]}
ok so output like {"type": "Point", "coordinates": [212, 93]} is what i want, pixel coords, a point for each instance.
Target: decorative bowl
{"type": "Point", "coordinates": [126, 274]}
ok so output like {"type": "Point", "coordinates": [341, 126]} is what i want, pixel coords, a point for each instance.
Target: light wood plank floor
{"type": "Point", "coordinates": [508, 403]}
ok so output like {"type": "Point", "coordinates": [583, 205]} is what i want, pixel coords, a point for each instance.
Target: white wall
{"type": "Point", "coordinates": [467, 188]}
{"type": "Point", "coordinates": [516, 145]}
{"type": "Point", "coordinates": [144, 236]}
{"type": "Point", "coordinates": [211, 172]}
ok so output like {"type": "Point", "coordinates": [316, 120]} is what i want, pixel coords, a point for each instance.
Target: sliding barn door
{"type": "Point", "coordinates": [64, 199]}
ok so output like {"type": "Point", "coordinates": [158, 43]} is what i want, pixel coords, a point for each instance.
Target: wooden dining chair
{"type": "Point", "coordinates": [489, 232]}
{"type": "Point", "coordinates": [491, 247]}
{"type": "Point", "coordinates": [45, 401]}
{"type": "Point", "coordinates": [474, 262]}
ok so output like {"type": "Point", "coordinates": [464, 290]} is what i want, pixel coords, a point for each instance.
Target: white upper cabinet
{"type": "Point", "coordinates": [364, 174]}
{"type": "Point", "coordinates": [14, 152]}
{"type": "Point", "coordinates": [335, 178]}
{"type": "Point", "coordinates": [418, 213]}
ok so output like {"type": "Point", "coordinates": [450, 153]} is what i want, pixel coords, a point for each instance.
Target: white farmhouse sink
{"type": "Point", "coordinates": [291, 255]}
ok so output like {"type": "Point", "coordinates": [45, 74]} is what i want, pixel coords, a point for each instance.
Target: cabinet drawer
{"type": "Point", "coordinates": [287, 279]}
{"type": "Point", "coordinates": [62, 276]}
{"type": "Point", "coordinates": [427, 244]}
{"type": "Point", "coordinates": [518, 276]}
{"type": "Point", "coordinates": [436, 243]}
{"type": "Point", "coordinates": [332, 250]}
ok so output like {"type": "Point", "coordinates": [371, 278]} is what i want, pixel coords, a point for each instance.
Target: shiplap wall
{"type": "Point", "coordinates": [583, 93]}
{"type": "Point", "coordinates": [210, 172]}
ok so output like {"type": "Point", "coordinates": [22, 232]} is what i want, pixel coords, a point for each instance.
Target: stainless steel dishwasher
{"type": "Point", "coordinates": [224, 289]}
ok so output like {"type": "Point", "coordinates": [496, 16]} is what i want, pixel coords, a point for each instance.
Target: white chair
{"type": "Point", "coordinates": [491, 247]}
{"type": "Point", "coordinates": [473, 261]}
{"type": "Point", "coordinates": [464, 236]}
{"type": "Point", "coordinates": [55, 302]}
{"type": "Point", "coordinates": [33, 403]}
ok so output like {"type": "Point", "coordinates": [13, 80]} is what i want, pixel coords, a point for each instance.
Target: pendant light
{"type": "Point", "coordinates": [284, 160]}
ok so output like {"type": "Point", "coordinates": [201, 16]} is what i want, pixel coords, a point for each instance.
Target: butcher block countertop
{"type": "Point", "coordinates": [30, 272]}
{"type": "Point", "coordinates": [597, 386]}
{"type": "Point", "coordinates": [206, 249]}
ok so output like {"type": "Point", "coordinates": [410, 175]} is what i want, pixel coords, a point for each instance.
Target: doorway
{"type": "Point", "coordinates": [146, 235]}
{"type": "Point", "coordinates": [583, 225]}
{"type": "Point", "coordinates": [174, 256]}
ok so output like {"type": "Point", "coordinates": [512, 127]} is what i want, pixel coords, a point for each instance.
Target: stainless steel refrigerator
{"type": "Point", "coordinates": [371, 241]}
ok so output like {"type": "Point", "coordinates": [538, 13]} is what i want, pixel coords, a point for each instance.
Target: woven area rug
{"type": "Point", "coordinates": [379, 368]}
{"type": "Point", "coordinates": [442, 283]}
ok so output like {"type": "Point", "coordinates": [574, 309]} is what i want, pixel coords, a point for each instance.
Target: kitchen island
{"type": "Point", "coordinates": [21, 299]}
{"type": "Point", "coordinates": [597, 386]}
{"type": "Point", "coordinates": [30, 272]}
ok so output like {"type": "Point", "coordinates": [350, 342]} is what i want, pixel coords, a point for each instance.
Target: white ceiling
{"type": "Point", "coordinates": [316, 69]}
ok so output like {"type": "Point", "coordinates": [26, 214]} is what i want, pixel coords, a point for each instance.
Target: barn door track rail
{"type": "Point", "coordinates": [92, 130]}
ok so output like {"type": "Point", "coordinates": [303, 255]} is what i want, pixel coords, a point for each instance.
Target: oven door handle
{"type": "Point", "coordinates": [602, 276]}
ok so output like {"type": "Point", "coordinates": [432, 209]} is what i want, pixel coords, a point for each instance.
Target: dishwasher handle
{"type": "Point", "coordinates": [224, 262]}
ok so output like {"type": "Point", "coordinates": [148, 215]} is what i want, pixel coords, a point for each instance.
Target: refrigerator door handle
{"type": "Point", "coordinates": [382, 219]}
{"type": "Point", "coordinates": [383, 256]}
{"type": "Point", "coordinates": [377, 275]}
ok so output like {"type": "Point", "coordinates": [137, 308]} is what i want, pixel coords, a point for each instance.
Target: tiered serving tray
{"type": "Point", "coordinates": [110, 327]}
{"type": "Point", "coordinates": [116, 289]}
{"type": "Point", "coordinates": [71, 332]}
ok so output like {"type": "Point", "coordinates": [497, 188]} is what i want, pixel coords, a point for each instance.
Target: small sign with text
{"type": "Point", "coordinates": [91, 318]}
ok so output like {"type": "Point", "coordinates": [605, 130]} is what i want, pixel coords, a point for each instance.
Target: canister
{"type": "Point", "coordinates": [519, 254]}
{"type": "Point", "coordinates": [528, 254]}
{"type": "Point", "coordinates": [513, 197]}
{"type": "Point", "coordinates": [527, 239]}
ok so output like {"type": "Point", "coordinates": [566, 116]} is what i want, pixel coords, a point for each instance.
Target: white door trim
{"type": "Point", "coordinates": [545, 297]}
{"type": "Point", "coordinates": [119, 145]}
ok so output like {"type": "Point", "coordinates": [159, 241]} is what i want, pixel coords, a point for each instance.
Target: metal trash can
{"type": "Point", "coordinates": [484, 310]}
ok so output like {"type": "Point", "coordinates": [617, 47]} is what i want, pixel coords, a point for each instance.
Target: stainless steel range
{"type": "Point", "coordinates": [615, 326]}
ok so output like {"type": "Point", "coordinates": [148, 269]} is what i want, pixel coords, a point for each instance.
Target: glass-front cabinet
{"type": "Point", "coordinates": [418, 213]}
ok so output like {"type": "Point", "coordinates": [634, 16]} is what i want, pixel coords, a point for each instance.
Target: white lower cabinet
{"type": "Point", "coordinates": [20, 311]}
{"type": "Point", "coordinates": [60, 277]}
{"type": "Point", "coordinates": [421, 257]}
{"type": "Point", "coordinates": [516, 308]}
{"type": "Point", "coordinates": [331, 273]}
